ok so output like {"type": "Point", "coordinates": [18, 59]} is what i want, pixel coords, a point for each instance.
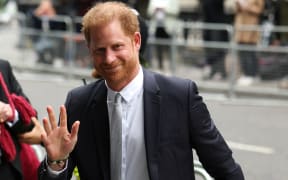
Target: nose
{"type": "Point", "coordinates": [109, 56]}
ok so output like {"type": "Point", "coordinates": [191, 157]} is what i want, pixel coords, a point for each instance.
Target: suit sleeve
{"type": "Point", "coordinates": [12, 83]}
{"type": "Point", "coordinates": [43, 172]}
{"type": "Point", "coordinates": [14, 87]}
{"type": "Point", "coordinates": [210, 146]}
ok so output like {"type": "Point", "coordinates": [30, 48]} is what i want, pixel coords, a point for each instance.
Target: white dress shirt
{"type": "Point", "coordinates": [134, 163]}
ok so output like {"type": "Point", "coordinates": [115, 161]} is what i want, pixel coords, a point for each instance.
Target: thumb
{"type": "Point", "coordinates": [74, 130]}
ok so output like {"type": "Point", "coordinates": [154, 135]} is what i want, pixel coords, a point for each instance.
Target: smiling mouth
{"type": "Point", "coordinates": [111, 69]}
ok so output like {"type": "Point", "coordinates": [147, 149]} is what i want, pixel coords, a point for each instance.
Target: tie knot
{"type": "Point", "coordinates": [117, 98]}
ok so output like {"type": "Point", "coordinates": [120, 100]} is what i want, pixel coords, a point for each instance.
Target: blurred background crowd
{"type": "Point", "coordinates": [230, 47]}
{"type": "Point", "coordinates": [204, 33]}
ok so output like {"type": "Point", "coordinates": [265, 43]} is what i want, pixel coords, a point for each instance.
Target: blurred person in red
{"type": "Point", "coordinates": [19, 128]}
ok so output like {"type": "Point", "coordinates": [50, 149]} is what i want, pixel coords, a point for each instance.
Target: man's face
{"type": "Point", "coordinates": [115, 55]}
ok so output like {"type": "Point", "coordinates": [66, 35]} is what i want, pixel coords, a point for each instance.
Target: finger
{"type": "Point", "coordinates": [52, 117]}
{"type": "Point", "coordinates": [74, 130]}
{"type": "Point", "coordinates": [34, 120]}
{"type": "Point", "coordinates": [63, 116]}
{"type": "Point", "coordinates": [44, 139]}
{"type": "Point", "coordinates": [46, 125]}
{"type": "Point", "coordinates": [36, 123]}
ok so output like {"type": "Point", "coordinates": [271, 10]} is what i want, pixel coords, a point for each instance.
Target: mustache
{"type": "Point", "coordinates": [110, 65]}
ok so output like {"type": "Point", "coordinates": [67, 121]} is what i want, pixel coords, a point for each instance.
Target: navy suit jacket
{"type": "Point", "coordinates": [175, 121]}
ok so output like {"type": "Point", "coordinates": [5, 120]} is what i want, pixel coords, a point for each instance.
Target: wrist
{"type": "Point", "coordinates": [58, 164]}
{"type": "Point", "coordinates": [11, 113]}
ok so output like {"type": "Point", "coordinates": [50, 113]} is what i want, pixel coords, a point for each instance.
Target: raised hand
{"type": "Point", "coordinates": [5, 112]}
{"type": "Point", "coordinates": [58, 141]}
{"type": "Point", "coordinates": [33, 136]}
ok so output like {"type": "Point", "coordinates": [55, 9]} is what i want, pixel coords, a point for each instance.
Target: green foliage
{"type": "Point", "coordinates": [143, 62]}
{"type": "Point", "coordinates": [76, 173]}
{"type": "Point", "coordinates": [3, 3]}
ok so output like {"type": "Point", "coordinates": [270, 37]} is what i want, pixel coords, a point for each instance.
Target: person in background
{"type": "Point", "coordinates": [17, 128]}
{"type": "Point", "coordinates": [280, 13]}
{"type": "Point", "coordinates": [213, 12]}
{"type": "Point", "coordinates": [163, 118]}
{"type": "Point", "coordinates": [74, 8]}
{"type": "Point", "coordinates": [248, 12]}
{"type": "Point", "coordinates": [77, 8]}
{"type": "Point", "coordinates": [163, 17]}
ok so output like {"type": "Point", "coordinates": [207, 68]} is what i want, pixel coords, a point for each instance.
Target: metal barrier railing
{"type": "Point", "coordinates": [231, 46]}
{"type": "Point", "coordinates": [176, 41]}
{"type": "Point", "coordinates": [200, 171]}
{"type": "Point", "coordinates": [68, 36]}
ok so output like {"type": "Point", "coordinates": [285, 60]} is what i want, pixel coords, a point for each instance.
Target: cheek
{"type": "Point", "coordinates": [95, 61]}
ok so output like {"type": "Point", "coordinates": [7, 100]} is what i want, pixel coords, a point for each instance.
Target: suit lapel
{"type": "Point", "coordinates": [99, 112]}
{"type": "Point", "coordinates": [152, 101]}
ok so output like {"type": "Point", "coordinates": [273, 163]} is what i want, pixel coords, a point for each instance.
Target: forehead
{"type": "Point", "coordinates": [107, 34]}
{"type": "Point", "coordinates": [112, 27]}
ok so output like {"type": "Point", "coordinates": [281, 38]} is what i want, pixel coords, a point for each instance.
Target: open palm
{"type": "Point", "coordinates": [58, 141]}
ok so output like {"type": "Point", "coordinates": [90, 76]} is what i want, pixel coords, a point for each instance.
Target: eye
{"type": "Point", "coordinates": [117, 46]}
{"type": "Point", "coordinates": [98, 51]}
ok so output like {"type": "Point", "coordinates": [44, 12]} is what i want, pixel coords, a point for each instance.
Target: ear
{"type": "Point", "coordinates": [137, 40]}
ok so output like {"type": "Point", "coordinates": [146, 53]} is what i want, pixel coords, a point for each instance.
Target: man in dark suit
{"type": "Point", "coordinates": [14, 162]}
{"type": "Point", "coordinates": [163, 118]}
